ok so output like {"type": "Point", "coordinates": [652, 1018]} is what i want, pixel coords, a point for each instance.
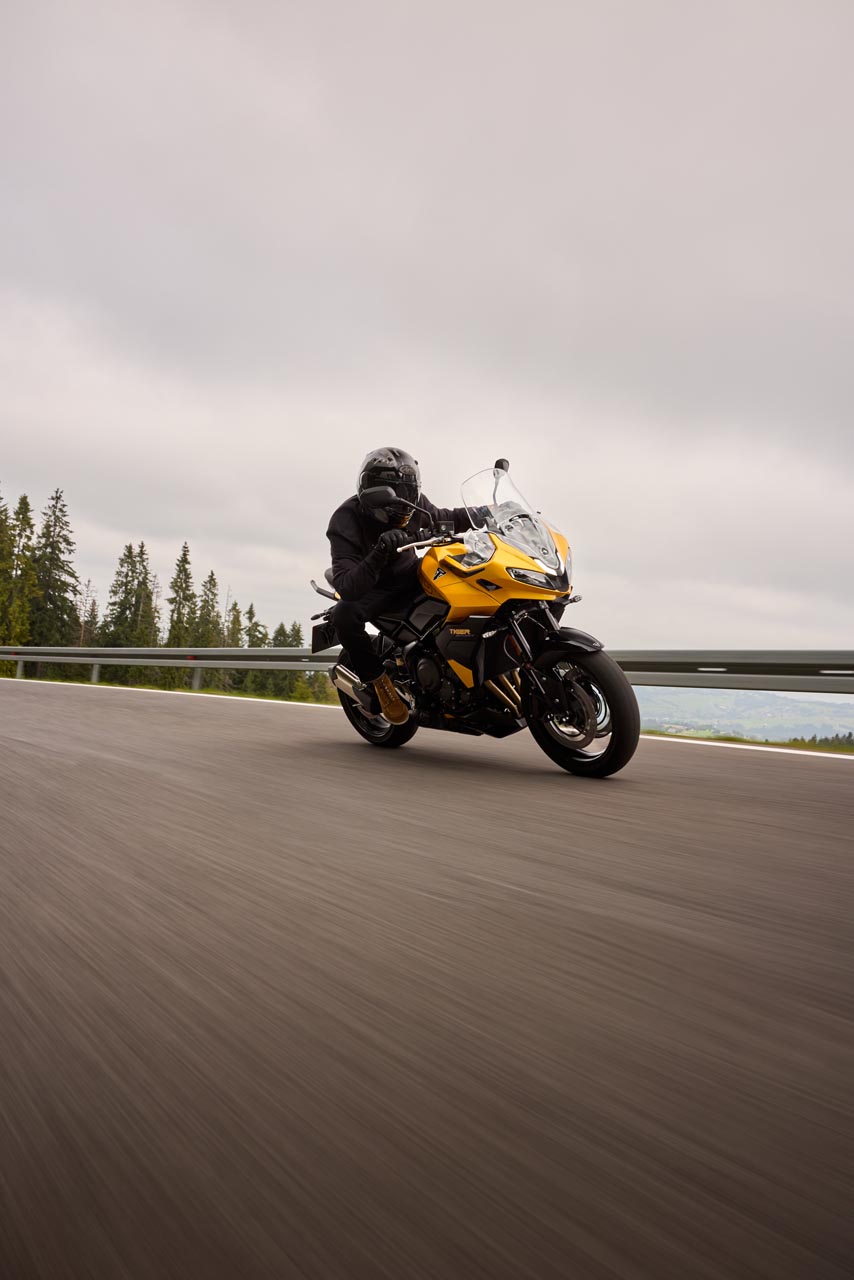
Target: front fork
{"type": "Point", "coordinates": [547, 691]}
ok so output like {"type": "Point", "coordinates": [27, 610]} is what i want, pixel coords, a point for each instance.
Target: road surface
{"type": "Point", "coordinates": [274, 1003]}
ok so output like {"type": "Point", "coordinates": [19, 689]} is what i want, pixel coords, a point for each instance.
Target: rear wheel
{"type": "Point", "coordinates": [588, 722]}
{"type": "Point", "coordinates": [375, 729]}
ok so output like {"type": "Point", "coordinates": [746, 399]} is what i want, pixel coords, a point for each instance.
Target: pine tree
{"type": "Point", "coordinates": [182, 603]}
{"type": "Point", "coordinates": [156, 597]}
{"type": "Point", "coordinates": [145, 611]}
{"type": "Point", "coordinates": [53, 613]}
{"type": "Point", "coordinates": [233, 624]}
{"type": "Point", "coordinates": [117, 628]}
{"type": "Point", "coordinates": [87, 630]}
{"type": "Point", "coordinates": [24, 586]}
{"type": "Point", "coordinates": [5, 578]}
{"type": "Point", "coordinates": [254, 629]}
{"type": "Point", "coordinates": [257, 637]}
{"type": "Point", "coordinates": [146, 618]}
{"type": "Point", "coordinates": [182, 616]}
{"type": "Point", "coordinates": [5, 566]}
{"type": "Point", "coordinates": [282, 682]}
{"type": "Point", "coordinates": [90, 628]}
{"type": "Point", "coordinates": [208, 628]}
{"type": "Point", "coordinates": [262, 681]}
{"type": "Point", "coordinates": [297, 685]}
{"type": "Point", "coordinates": [130, 619]}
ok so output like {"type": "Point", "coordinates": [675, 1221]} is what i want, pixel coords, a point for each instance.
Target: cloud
{"type": "Point", "coordinates": [667, 542]}
{"type": "Point", "coordinates": [613, 243]}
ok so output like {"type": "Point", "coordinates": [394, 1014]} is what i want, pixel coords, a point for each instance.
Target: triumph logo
{"type": "Point", "coordinates": [440, 573]}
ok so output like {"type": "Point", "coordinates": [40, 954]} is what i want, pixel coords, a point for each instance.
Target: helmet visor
{"type": "Point", "coordinates": [406, 487]}
{"type": "Point", "coordinates": [404, 482]}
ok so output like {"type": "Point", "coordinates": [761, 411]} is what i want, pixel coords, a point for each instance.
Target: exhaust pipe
{"type": "Point", "coordinates": [511, 690]}
{"type": "Point", "coordinates": [348, 682]}
{"type": "Point", "coordinates": [508, 698]}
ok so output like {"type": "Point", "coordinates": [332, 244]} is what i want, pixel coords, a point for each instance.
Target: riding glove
{"type": "Point", "coordinates": [389, 542]}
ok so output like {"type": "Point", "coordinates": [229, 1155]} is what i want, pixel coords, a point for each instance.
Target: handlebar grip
{"type": "Point", "coordinates": [411, 546]}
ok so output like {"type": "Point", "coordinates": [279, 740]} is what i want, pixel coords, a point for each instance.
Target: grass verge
{"type": "Point", "coordinates": [794, 744]}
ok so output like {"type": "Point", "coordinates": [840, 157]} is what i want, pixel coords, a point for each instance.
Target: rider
{"type": "Point", "coordinates": [368, 574]}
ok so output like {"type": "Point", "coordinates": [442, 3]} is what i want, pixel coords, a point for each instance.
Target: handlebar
{"type": "Point", "coordinates": [442, 540]}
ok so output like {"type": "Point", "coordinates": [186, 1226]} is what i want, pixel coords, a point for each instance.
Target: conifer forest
{"type": "Point", "coordinates": [44, 602]}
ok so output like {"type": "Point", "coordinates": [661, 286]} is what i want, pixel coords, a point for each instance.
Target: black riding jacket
{"type": "Point", "coordinates": [356, 566]}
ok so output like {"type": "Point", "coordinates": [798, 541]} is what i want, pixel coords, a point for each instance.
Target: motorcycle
{"type": "Point", "coordinates": [481, 650]}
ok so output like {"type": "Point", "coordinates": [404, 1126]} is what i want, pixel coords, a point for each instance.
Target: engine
{"type": "Point", "coordinates": [442, 691]}
{"type": "Point", "coordinates": [429, 674]}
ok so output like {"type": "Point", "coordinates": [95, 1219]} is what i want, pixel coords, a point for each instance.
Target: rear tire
{"type": "Point", "coordinates": [603, 674]}
{"type": "Point", "coordinates": [375, 729]}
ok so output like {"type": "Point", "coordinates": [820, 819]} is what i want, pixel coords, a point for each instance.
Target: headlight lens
{"type": "Point", "coordinates": [531, 578]}
{"type": "Point", "coordinates": [479, 548]}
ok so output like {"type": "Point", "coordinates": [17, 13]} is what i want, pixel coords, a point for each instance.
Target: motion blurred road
{"type": "Point", "coordinates": [275, 1003]}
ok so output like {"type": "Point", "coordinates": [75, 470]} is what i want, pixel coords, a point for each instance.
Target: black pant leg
{"type": "Point", "coordinates": [350, 618]}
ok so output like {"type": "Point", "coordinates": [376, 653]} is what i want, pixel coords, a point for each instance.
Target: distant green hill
{"type": "Point", "coordinates": [744, 714]}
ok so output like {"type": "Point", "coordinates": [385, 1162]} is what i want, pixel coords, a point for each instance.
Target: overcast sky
{"type": "Point", "coordinates": [243, 243]}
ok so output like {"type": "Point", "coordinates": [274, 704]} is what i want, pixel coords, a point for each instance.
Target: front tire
{"type": "Point", "coordinates": [595, 686]}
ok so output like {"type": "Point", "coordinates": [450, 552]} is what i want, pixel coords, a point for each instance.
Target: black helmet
{"type": "Point", "coordinates": [399, 471]}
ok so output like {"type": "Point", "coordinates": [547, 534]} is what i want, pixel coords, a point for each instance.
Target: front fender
{"type": "Point", "coordinates": [566, 641]}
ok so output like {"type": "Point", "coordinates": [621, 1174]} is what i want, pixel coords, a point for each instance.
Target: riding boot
{"type": "Point", "coordinates": [392, 705]}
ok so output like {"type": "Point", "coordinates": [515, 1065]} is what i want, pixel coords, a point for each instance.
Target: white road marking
{"type": "Point", "coordinates": [749, 746]}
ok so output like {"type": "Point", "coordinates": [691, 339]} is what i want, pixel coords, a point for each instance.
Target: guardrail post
{"type": "Point", "coordinates": [19, 669]}
{"type": "Point", "coordinates": [197, 678]}
{"type": "Point", "coordinates": [96, 672]}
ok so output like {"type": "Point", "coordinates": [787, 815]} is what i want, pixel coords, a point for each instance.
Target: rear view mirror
{"type": "Point", "coordinates": [380, 496]}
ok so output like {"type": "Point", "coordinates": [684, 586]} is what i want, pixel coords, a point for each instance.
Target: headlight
{"type": "Point", "coordinates": [531, 578]}
{"type": "Point", "coordinates": [479, 548]}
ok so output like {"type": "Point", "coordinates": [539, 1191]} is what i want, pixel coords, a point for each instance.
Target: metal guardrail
{"type": "Point", "coordinates": [196, 660]}
{"type": "Point", "coordinates": [782, 670]}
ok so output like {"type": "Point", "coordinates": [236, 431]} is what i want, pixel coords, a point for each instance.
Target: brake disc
{"type": "Point", "coordinates": [578, 735]}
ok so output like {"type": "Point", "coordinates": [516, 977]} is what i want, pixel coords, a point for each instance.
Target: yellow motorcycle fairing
{"type": "Point", "coordinates": [482, 589]}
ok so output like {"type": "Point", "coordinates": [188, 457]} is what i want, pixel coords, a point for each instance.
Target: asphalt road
{"type": "Point", "coordinates": [274, 1003]}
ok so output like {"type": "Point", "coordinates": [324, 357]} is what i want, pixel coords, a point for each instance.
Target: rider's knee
{"type": "Point", "coordinates": [348, 615]}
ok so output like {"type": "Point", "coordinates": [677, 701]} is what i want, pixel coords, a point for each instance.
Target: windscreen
{"type": "Point", "coordinates": [494, 503]}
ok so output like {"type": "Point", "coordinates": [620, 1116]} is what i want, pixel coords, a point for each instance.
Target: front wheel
{"type": "Point", "coordinates": [585, 717]}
